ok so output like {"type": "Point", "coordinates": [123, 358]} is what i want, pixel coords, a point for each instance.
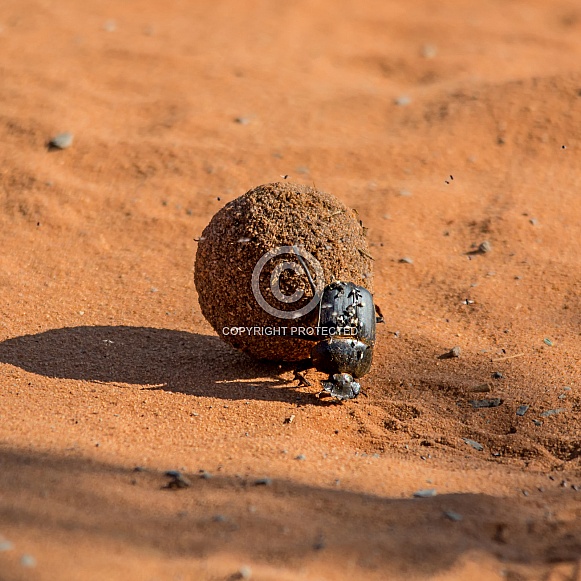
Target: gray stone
{"type": "Point", "coordinates": [61, 141]}
{"type": "Point", "coordinates": [553, 412]}
{"type": "Point", "coordinates": [425, 493]}
{"type": "Point", "coordinates": [28, 561]}
{"type": "Point", "coordinates": [484, 247]}
{"type": "Point", "coordinates": [474, 444]}
{"type": "Point", "coordinates": [486, 403]}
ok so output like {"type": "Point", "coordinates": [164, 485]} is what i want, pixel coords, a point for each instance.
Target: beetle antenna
{"type": "Point", "coordinates": [306, 269]}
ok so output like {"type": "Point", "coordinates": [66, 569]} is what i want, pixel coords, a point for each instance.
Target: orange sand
{"type": "Point", "coordinates": [106, 363]}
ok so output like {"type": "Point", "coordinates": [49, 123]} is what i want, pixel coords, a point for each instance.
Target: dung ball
{"type": "Point", "coordinates": [264, 259]}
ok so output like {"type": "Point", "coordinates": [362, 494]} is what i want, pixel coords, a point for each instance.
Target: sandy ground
{"type": "Point", "coordinates": [107, 365]}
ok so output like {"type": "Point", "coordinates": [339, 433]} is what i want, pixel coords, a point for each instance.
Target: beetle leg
{"type": "Point", "coordinates": [342, 386]}
{"type": "Point", "coordinates": [379, 318]}
{"type": "Point", "coordinates": [303, 381]}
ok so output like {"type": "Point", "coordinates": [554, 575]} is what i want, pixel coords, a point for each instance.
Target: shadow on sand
{"type": "Point", "coordinates": [177, 361]}
{"type": "Point", "coordinates": [354, 533]}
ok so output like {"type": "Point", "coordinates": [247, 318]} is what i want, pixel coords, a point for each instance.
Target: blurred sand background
{"type": "Point", "coordinates": [106, 363]}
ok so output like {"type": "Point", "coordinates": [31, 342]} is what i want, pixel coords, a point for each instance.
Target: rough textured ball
{"type": "Point", "coordinates": [264, 219]}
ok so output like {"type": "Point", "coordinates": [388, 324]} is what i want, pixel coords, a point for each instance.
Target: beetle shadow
{"type": "Point", "coordinates": [177, 361]}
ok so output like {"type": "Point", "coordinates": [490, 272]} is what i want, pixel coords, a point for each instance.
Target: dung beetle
{"type": "Point", "coordinates": [345, 337]}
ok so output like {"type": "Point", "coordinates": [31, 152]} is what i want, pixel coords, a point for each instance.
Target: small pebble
{"type": "Point", "coordinates": [403, 100]}
{"type": "Point", "coordinates": [486, 403]}
{"type": "Point", "coordinates": [548, 413]}
{"type": "Point", "coordinates": [301, 457]}
{"type": "Point", "coordinates": [522, 410]}
{"type": "Point", "coordinates": [453, 516]}
{"type": "Point", "coordinates": [484, 247]}
{"type": "Point", "coordinates": [406, 260]}
{"type": "Point", "coordinates": [319, 544]}
{"type": "Point", "coordinates": [429, 51]}
{"type": "Point", "coordinates": [242, 120]}
{"type": "Point", "coordinates": [537, 422]}
{"type": "Point", "coordinates": [497, 375]}
{"type": "Point", "coordinates": [28, 561]}
{"type": "Point", "coordinates": [178, 480]}
{"type": "Point", "coordinates": [474, 444]}
{"type": "Point", "coordinates": [263, 482]}
{"type": "Point", "coordinates": [61, 141]}
{"type": "Point", "coordinates": [548, 342]}
{"type": "Point", "coordinates": [425, 493]}
{"type": "Point", "coordinates": [219, 518]}
{"type": "Point", "coordinates": [534, 221]}
{"type": "Point", "coordinates": [454, 352]}
{"type": "Point", "coordinates": [205, 475]}
{"type": "Point", "coordinates": [6, 546]}
{"type": "Point", "coordinates": [245, 572]}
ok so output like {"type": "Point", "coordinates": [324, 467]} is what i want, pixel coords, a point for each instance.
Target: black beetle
{"type": "Point", "coordinates": [345, 337]}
